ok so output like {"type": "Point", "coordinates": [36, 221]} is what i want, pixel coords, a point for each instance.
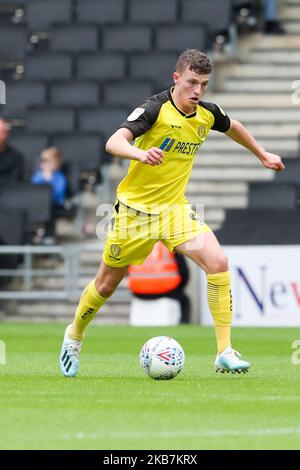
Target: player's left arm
{"type": "Point", "coordinates": [242, 136]}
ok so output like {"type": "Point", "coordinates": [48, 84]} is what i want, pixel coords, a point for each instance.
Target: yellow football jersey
{"type": "Point", "coordinates": [159, 123]}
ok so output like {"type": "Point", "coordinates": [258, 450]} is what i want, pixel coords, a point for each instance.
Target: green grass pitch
{"type": "Point", "coordinates": [111, 404]}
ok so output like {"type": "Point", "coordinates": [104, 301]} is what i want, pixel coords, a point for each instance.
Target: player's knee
{"type": "Point", "coordinates": [219, 265]}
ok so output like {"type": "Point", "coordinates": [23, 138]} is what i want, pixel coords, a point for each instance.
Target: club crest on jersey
{"type": "Point", "coordinates": [202, 131]}
{"type": "Point", "coordinates": [115, 250]}
{"type": "Point", "coordinates": [136, 113]}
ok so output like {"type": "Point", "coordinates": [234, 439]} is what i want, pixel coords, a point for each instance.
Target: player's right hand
{"type": "Point", "coordinates": [153, 156]}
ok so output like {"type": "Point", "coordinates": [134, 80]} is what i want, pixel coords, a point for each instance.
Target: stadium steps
{"type": "Point", "coordinates": [275, 116]}
{"type": "Point", "coordinates": [276, 56]}
{"type": "Point", "coordinates": [267, 70]}
{"type": "Point", "coordinates": [257, 90]}
{"type": "Point", "coordinates": [252, 85]}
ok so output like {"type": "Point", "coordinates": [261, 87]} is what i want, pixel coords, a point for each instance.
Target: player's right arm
{"type": "Point", "coordinates": [119, 145]}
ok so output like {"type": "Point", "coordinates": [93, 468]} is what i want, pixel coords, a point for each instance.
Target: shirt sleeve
{"type": "Point", "coordinates": [221, 119]}
{"type": "Point", "coordinates": [142, 118]}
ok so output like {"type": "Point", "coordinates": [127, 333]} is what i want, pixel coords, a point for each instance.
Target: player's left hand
{"type": "Point", "coordinates": [272, 161]}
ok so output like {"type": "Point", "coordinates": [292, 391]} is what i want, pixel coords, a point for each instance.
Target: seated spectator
{"type": "Point", "coordinates": [11, 161]}
{"type": "Point", "coordinates": [272, 24]}
{"type": "Point", "coordinates": [50, 172]}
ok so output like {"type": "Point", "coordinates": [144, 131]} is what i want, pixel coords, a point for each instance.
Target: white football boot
{"type": "Point", "coordinates": [69, 356]}
{"type": "Point", "coordinates": [229, 361]}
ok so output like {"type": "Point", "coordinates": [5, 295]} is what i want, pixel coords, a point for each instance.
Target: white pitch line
{"type": "Point", "coordinates": [184, 433]}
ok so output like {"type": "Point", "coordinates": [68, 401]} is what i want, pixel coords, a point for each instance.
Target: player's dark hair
{"type": "Point", "coordinates": [195, 60]}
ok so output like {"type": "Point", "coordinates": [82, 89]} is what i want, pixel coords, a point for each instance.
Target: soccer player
{"type": "Point", "coordinates": [168, 130]}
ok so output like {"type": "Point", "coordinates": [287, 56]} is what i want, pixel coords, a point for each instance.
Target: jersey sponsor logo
{"type": "Point", "coordinates": [115, 250]}
{"type": "Point", "coordinates": [167, 144]}
{"type": "Point", "coordinates": [175, 127]}
{"type": "Point", "coordinates": [136, 113]}
{"type": "Point", "coordinates": [202, 131]}
{"type": "Point", "coordinates": [187, 148]}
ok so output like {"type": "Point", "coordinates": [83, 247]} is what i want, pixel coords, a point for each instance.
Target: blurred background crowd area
{"type": "Point", "coordinates": [73, 70]}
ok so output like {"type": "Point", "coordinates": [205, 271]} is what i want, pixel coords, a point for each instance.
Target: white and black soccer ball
{"type": "Point", "coordinates": [162, 358]}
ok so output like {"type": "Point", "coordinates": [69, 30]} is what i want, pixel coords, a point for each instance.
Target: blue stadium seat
{"type": "Point", "coordinates": [50, 120]}
{"type": "Point", "coordinates": [157, 67]}
{"type": "Point", "coordinates": [73, 38]}
{"type": "Point", "coordinates": [40, 14]}
{"type": "Point", "coordinates": [215, 14]}
{"type": "Point", "coordinates": [41, 66]}
{"type": "Point", "coordinates": [129, 93]}
{"type": "Point", "coordinates": [102, 12]}
{"type": "Point", "coordinates": [155, 11]}
{"type": "Point", "coordinates": [104, 120]}
{"type": "Point", "coordinates": [179, 38]}
{"type": "Point", "coordinates": [72, 93]}
{"type": "Point", "coordinates": [127, 38]}
{"type": "Point", "coordinates": [13, 41]}
{"type": "Point", "coordinates": [100, 66]}
{"type": "Point", "coordinates": [20, 95]}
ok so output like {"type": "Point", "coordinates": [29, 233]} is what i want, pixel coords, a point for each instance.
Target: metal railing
{"type": "Point", "coordinates": [70, 257]}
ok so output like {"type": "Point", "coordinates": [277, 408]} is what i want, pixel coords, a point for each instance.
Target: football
{"type": "Point", "coordinates": [162, 358]}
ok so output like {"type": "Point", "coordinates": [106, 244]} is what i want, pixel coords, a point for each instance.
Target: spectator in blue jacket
{"type": "Point", "coordinates": [272, 24]}
{"type": "Point", "coordinates": [50, 172]}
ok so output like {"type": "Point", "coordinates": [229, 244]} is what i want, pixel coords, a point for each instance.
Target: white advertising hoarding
{"type": "Point", "coordinates": [265, 286]}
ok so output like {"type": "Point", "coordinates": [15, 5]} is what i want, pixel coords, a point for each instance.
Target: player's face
{"type": "Point", "coordinates": [190, 87]}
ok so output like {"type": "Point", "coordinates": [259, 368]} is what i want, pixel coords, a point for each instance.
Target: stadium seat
{"type": "Point", "coordinates": [30, 145]}
{"type": "Point", "coordinates": [12, 232]}
{"type": "Point", "coordinates": [73, 38]}
{"type": "Point", "coordinates": [73, 93]}
{"type": "Point", "coordinates": [291, 174]}
{"type": "Point", "coordinates": [100, 66]}
{"type": "Point", "coordinates": [13, 41]}
{"type": "Point", "coordinates": [129, 93]}
{"type": "Point", "coordinates": [41, 13]}
{"type": "Point", "coordinates": [50, 120]}
{"type": "Point", "coordinates": [156, 11]}
{"type": "Point", "coordinates": [127, 38]}
{"type": "Point", "coordinates": [260, 227]}
{"type": "Point", "coordinates": [20, 95]}
{"type": "Point", "coordinates": [179, 38]}
{"type": "Point", "coordinates": [105, 11]}
{"type": "Point", "coordinates": [12, 223]}
{"type": "Point", "coordinates": [273, 195]}
{"type": "Point", "coordinates": [214, 14]}
{"type": "Point", "coordinates": [36, 200]}
{"type": "Point", "coordinates": [155, 66]}
{"type": "Point", "coordinates": [83, 150]}
{"type": "Point", "coordinates": [105, 120]}
{"type": "Point", "coordinates": [41, 66]}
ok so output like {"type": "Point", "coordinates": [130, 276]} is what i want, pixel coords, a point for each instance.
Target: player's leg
{"type": "Point", "coordinates": [205, 250]}
{"type": "Point", "coordinates": [92, 298]}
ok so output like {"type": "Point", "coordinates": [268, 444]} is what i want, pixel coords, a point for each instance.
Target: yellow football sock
{"type": "Point", "coordinates": [220, 304]}
{"type": "Point", "coordinates": [89, 304]}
